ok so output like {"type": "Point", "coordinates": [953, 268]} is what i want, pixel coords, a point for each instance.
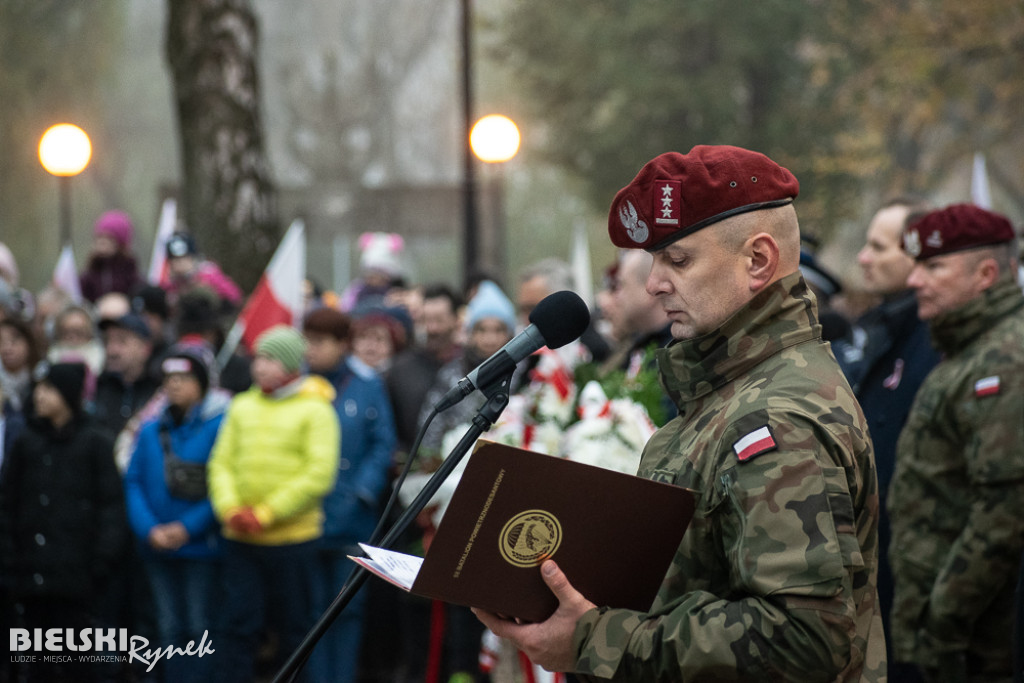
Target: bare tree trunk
{"type": "Point", "coordinates": [229, 200]}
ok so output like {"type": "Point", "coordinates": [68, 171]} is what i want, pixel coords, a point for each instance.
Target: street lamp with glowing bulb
{"type": "Point", "coordinates": [494, 139]}
{"type": "Point", "coordinates": [64, 151]}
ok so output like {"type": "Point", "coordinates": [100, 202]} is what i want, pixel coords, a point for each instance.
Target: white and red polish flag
{"type": "Point", "coordinates": [278, 297]}
{"type": "Point", "coordinates": [164, 229]}
{"type": "Point", "coordinates": [754, 444]}
{"type": "Point", "coordinates": [981, 193]}
{"type": "Point", "coordinates": [65, 275]}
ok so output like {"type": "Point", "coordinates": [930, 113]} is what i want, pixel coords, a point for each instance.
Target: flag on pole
{"type": "Point", "coordinates": [65, 275]}
{"type": "Point", "coordinates": [164, 230]}
{"type": "Point", "coordinates": [278, 297]}
{"type": "Point", "coordinates": [579, 261]}
{"type": "Point", "coordinates": [981, 195]}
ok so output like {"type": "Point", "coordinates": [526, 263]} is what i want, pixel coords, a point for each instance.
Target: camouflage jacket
{"type": "Point", "coordinates": [775, 577]}
{"type": "Point", "coordinates": [957, 497]}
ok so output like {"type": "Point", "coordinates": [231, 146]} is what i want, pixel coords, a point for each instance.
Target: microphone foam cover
{"type": "Point", "coordinates": [560, 318]}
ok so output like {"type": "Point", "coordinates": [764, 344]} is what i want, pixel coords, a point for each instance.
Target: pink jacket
{"type": "Point", "coordinates": [207, 274]}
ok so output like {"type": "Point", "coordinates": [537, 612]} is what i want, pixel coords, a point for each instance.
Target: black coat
{"type": "Point", "coordinates": [116, 401]}
{"type": "Point", "coordinates": [408, 380]}
{"type": "Point", "coordinates": [63, 511]}
{"type": "Point", "coordinates": [886, 358]}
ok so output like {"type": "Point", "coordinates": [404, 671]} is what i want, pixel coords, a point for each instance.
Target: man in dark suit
{"type": "Point", "coordinates": [886, 356]}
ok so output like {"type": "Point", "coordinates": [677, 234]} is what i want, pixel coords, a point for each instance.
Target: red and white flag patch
{"type": "Point", "coordinates": [670, 194]}
{"type": "Point", "coordinates": [755, 443]}
{"type": "Point", "coordinates": [988, 386]}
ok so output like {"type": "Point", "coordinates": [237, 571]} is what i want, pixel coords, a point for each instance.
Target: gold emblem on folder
{"type": "Point", "coordinates": [530, 537]}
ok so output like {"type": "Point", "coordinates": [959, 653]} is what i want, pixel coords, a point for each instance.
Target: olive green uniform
{"type": "Point", "coordinates": [957, 496]}
{"type": "Point", "coordinates": [775, 577]}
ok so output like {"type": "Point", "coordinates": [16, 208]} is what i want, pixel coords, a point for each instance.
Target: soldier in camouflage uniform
{"type": "Point", "coordinates": [775, 578]}
{"type": "Point", "coordinates": [957, 497]}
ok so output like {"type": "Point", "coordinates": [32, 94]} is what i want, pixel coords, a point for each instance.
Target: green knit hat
{"type": "Point", "coordinates": [284, 344]}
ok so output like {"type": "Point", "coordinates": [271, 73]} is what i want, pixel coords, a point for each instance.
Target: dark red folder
{"type": "Point", "coordinates": [614, 535]}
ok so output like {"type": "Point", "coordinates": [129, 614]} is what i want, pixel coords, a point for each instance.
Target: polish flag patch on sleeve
{"type": "Point", "coordinates": [986, 387]}
{"type": "Point", "coordinates": [754, 444]}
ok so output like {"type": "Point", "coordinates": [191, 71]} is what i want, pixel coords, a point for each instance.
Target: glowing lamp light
{"type": "Point", "coordinates": [65, 150]}
{"type": "Point", "coordinates": [494, 138]}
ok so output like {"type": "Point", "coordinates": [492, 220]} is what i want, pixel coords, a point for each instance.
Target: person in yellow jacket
{"type": "Point", "coordinates": [274, 460]}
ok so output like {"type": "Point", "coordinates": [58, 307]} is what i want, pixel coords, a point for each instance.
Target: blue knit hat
{"type": "Point", "coordinates": [490, 302]}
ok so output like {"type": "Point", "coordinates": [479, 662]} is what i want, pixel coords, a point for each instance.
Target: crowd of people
{"type": "Point", "coordinates": [859, 476]}
{"type": "Point", "coordinates": [149, 484]}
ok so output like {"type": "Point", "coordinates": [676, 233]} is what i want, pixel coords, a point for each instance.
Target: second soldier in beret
{"type": "Point", "coordinates": [957, 496]}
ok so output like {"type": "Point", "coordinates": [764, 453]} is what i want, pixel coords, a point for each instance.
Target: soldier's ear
{"type": "Point", "coordinates": [987, 272]}
{"type": "Point", "coordinates": [762, 254]}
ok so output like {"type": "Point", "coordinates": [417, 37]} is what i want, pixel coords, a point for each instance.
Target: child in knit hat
{"type": "Point", "coordinates": [111, 266]}
{"type": "Point", "coordinates": [381, 268]}
{"type": "Point", "coordinates": [274, 460]}
{"type": "Point", "coordinates": [168, 509]}
{"type": "Point", "coordinates": [278, 361]}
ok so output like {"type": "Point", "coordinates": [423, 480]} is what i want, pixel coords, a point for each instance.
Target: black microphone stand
{"type": "Point", "coordinates": [497, 400]}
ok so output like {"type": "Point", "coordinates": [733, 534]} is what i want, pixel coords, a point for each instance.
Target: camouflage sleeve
{"type": "Point", "coordinates": [785, 524]}
{"type": "Point", "coordinates": [988, 547]}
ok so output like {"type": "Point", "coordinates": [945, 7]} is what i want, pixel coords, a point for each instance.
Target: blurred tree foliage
{"type": "Point", "coordinates": [848, 95]}
{"type": "Point", "coordinates": [917, 86]}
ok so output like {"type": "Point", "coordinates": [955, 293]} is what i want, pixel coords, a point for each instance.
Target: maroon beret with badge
{"type": "Point", "coordinates": [955, 228]}
{"type": "Point", "coordinates": [675, 194]}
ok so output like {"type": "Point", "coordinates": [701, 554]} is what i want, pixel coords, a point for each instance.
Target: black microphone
{"type": "Point", "coordinates": [558, 319]}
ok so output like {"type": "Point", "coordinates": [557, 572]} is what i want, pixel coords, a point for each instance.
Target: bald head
{"type": "Point", "coordinates": [779, 225]}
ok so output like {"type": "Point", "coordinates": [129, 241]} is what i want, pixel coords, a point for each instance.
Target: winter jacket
{"type": "Point", "coordinates": [277, 454]}
{"type": "Point", "coordinates": [368, 441]}
{"type": "Point", "coordinates": [459, 415]}
{"type": "Point", "coordinates": [116, 400]}
{"type": "Point", "coordinates": [148, 499]}
{"type": "Point", "coordinates": [65, 519]}
{"type": "Point", "coordinates": [410, 377]}
{"type": "Point", "coordinates": [957, 496]}
{"type": "Point", "coordinates": [775, 577]}
{"type": "Point", "coordinates": [118, 272]}
{"type": "Point", "coordinates": [886, 358]}
{"type": "Point", "coordinates": [206, 274]}
{"type": "Point", "coordinates": [12, 424]}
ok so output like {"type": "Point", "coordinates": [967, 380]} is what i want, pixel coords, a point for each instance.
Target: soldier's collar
{"type": "Point", "coordinates": [956, 329]}
{"type": "Point", "coordinates": [781, 315]}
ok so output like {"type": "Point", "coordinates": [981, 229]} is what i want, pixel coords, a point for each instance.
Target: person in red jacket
{"type": "Point", "coordinates": [187, 270]}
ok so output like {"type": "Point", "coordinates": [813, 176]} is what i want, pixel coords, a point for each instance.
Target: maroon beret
{"type": "Point", "coordinates": [676, 194]}
{"type": "Point", "coordinates": [955, 228]}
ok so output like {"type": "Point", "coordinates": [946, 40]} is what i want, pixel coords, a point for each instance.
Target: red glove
{"type": "Point", "coordinates": [244, 521]}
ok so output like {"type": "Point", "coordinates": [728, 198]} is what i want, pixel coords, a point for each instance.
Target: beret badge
{"type": "Point", "coordinates": [635, 227]}
{"type": "Point", "coordinates": [912, 243]}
